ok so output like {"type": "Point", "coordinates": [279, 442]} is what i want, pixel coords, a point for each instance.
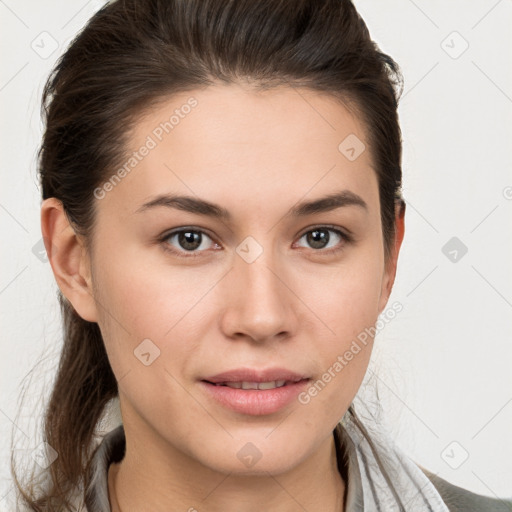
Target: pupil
{"type": "Point", "coordinates": [318, 238]}
{"type": "Point", "coordinates": [189, 240]}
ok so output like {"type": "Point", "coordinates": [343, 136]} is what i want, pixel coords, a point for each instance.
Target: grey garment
{"type": "Point", "coordinates": [110, 450]}
{"type": "Point", "coordinates": [455, 499]}
{"type": "Point", "coordinates": [458, 499]}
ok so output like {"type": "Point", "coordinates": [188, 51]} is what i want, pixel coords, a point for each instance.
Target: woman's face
{"type": "Point", "coordinates": [270, 284]}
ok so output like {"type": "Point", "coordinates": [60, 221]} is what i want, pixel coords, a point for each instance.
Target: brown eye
{"type": "Point", "coordinates": [318, 238]}
{"type": "Point", "coordinates": [185, 241]}
{"type": "Point", "coordinates": [324, 239]}
{"type": "Point", "coordinates": [189, 240]}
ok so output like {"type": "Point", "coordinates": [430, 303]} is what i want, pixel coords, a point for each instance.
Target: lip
{"type": "Point", "coordinates": [255, 402]}
{"type": "Point", "coordinates": [252, 375]}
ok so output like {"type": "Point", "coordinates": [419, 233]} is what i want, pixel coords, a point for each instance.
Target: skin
{"type": "Point", "coordinates": [256, 154]}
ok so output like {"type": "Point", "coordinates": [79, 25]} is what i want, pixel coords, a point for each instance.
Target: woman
{"type": "Point", "coordinates": [222, 212]}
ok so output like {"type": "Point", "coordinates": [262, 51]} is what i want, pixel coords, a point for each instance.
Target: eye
{"type": "Point", "coordinates": [321, 239]}
{"type": "Point", "coordinates": [191, 242]}
{"type": "Point", "coordinates": [186, 240]}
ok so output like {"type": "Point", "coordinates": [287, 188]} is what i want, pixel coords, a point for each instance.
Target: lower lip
{"type": "Point", "coordinates": [255, 402]}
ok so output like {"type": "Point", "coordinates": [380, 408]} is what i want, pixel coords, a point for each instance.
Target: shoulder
{"type": "Point", "coordinates": [458, 499]}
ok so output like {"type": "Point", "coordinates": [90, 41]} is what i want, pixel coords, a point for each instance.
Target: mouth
{"type": "Point", "coordinates": [254, 385]}
{"type": "Point", "coordinates": [254, 397]}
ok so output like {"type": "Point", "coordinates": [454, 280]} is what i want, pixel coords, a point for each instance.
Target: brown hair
{"type": "Point", "coordinates": [134, 53]}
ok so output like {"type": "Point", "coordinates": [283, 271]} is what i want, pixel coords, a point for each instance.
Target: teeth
{"type": "Point", "coordinates": [271, 385]}
{"type": "Point", "coordinates": [236, 385]}
{"type": "Point", "coordinates": [254, 385]}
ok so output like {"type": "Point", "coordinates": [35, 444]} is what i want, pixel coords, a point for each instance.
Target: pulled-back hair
{"type": "Point", "coordinates": [133, 54]}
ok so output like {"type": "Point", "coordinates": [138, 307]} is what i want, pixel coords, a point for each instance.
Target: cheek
{"type": "Point", "coordinates": [147, 297]}
{"type": "Point", "coordinates": [148, 336]}
{"type": "Point", "coordinates": [344, 299]}
{"type": "Point", "coordinates": [345, 305]}
{"type": "Point", "coordinates": [152, 308]}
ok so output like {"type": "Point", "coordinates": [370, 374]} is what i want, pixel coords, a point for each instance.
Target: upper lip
{"type": "Point", "coordinates": [252, 375]}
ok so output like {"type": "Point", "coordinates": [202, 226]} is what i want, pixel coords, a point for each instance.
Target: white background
{"type": "Point", "coordinates": [444, 363]}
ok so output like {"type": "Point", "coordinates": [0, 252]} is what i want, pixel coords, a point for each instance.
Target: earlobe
{"type": "Point", "coordinates": [391, 267]}
{"type": "Point", "coordinates": [68, 258]}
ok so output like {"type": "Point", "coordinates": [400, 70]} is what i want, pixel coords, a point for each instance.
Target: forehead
{"type": "Point", "coordinates": [233, 143]}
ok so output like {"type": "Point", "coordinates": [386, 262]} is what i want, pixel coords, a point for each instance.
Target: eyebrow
{"type": "Point", "coordinates": [191, 204]}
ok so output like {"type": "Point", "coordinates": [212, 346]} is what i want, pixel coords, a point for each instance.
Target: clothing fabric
{"type": "Point", "coordinates": [367, 490]}
{"type": "Point", "coordinates": [418, 489]}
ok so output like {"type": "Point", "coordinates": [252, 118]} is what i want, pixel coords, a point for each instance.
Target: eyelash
{"type": "Point", "coordinates": [347, 239]}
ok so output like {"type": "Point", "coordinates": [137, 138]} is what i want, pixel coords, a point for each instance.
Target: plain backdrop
{"type": "Point", "coordinates": [444, 362]}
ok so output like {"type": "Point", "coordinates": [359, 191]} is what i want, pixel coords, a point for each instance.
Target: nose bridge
{"type": "Point", "coordinates": [260, 305]}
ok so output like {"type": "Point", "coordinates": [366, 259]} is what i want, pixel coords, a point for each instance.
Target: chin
{"type": "Point", "coordinates": [258, 457]}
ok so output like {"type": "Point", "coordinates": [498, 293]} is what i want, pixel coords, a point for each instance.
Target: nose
{"type": "Point", "coordinates": [259, 302]}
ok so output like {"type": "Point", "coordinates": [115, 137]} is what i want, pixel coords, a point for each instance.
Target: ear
{"type": "Point", "coordinates": [68, 258]}
{"type": "Point", "coordinates": [391, 265]}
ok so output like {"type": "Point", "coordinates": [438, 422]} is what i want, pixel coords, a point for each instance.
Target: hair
{"type": "Point", "coordinates": [133, 54]}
